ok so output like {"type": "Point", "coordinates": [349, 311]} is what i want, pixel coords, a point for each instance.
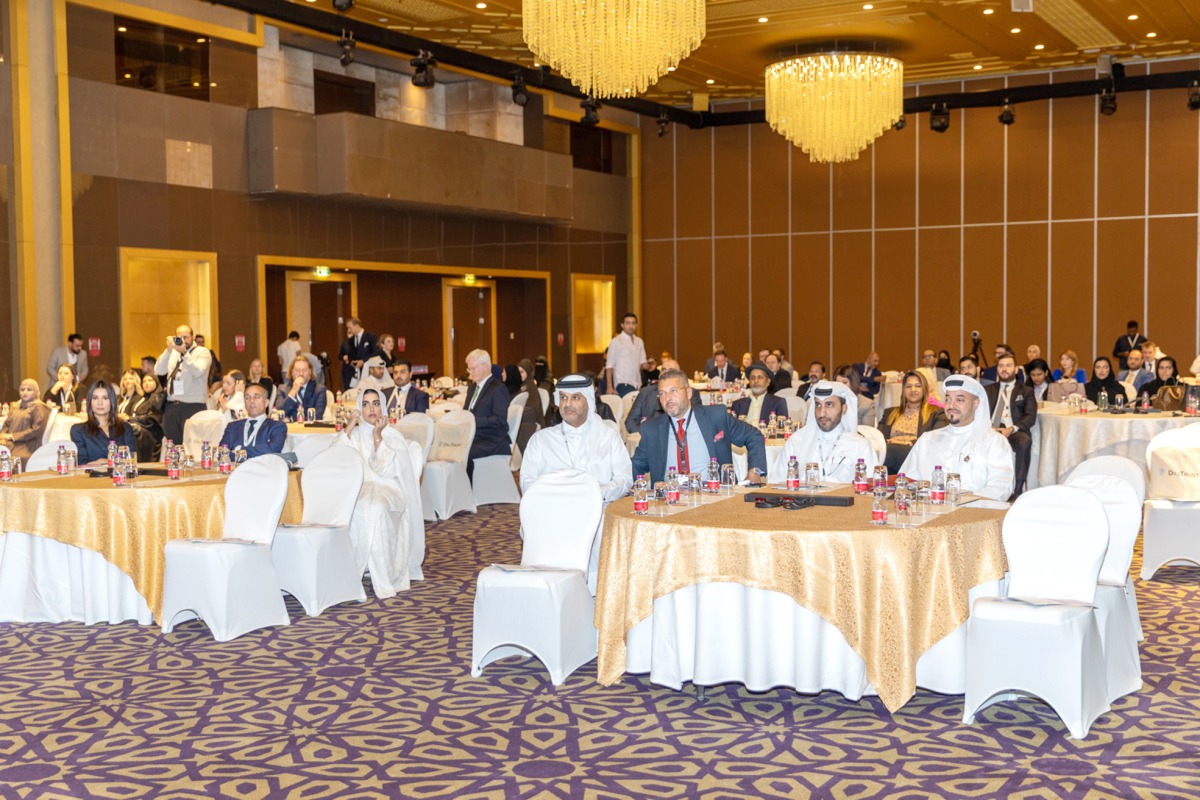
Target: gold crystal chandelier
{"type": "Point", "coordinates": [612, 48]}
{"type": "Point", "coordinates": [833, 105]}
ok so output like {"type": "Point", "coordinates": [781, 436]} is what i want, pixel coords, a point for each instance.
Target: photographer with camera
{"type": "Point", "coordinates": [185, 366]}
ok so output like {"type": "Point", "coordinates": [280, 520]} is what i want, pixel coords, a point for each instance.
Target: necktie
{"type": "Point", "coordinates": [682, 448]}
{"type": "Point", "coordinates": [474, 397]}
{"type": "Point", "coordinates": [250, 431]}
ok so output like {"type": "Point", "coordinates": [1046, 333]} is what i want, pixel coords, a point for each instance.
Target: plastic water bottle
{"type": "Point", "coordinates": [61, 465]}
{"type": "Point", "coordinates": [953, 488]}
{"type": "Point", "coordinates": [112, 452]}
{"type": "Point", "coordinates": [1102, 400]}
{"type": "Point", "coordinates": [712, 481]}
{"type": "Point", "coordinates": [861, 484]}
{"type": "Point", "coordinates": [119, 472]}
{"type": "Point", "coordinates": [879, 505]}
{"type": "Point", "coordinates": [937, 487]}
{"type": "Point", "coordinates": [672, 487]}
{"type": "Point", "coordinates": [5, 467]}
{"type": "Point", "coordinates": [901, 482]}
{"type": "Point", "coordinates": [168, 447]}
{"type": "Point", "coordinates": [224, 465]}
{"type": "Point", "coordinates": [641, 496]}
{"type": "Point", "coordinates": [793, 474]}
{"type": "Point", "coordinates": [205, 456]}
{"type": "Point", "coordinates": [1145, 402]}
{"type": "Point", "coordinates": [173, 464]}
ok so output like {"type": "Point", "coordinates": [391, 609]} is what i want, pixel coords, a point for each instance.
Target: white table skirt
{"type": "Point", "coordinates": [1061, 440]}
{"type": "Point", "coordinates": [716, 633]}
{"type": "Point", "coordinates": [42, 580]}
{"type": "Point", "coordinates": [61, 429]}
{"type": "Point", "coordinates": [776, 465]}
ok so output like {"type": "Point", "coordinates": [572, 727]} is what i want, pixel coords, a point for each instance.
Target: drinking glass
{"type": "Point", "coordinates": [659, 499]}
{"type": "Point", "coordinates": [310, 414]}
{"type": "Point", "coordinates": [696, 487]}
{"type": "Point", "coordinates": [728, 478]}
{"type": "Point", "coordinates": [812, 477]}
{"type": "Point", "coordinates": [189, 466]}
{"type": "Point", "coordinates": [134, 469]}
{"type": "Point", "coordinates": [1119, 402]}
{"type": "Point", "coordinates": [903, 499]}
{"type": "Point", "coordinates": [16, 466]}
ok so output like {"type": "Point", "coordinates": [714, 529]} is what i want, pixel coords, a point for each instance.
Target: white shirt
{"type": "Point", "coordinates": [837, 452]}
{"type": "Point", "coordinates": [698, 454]}
{"type": "Point", "coordinates": [982, 458]}
{"type": "Point", "coordinates": [626, 354]}
{"type": "Point", "coordinates": [1004, 399]}
{"type": "Point", "coordinates": [287, 353]}
{"type": "Point", "coordinates": [191, 382]}
{"type": "Point", "coordinates": [593, 447]}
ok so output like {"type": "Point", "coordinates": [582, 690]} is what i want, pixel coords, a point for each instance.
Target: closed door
{"type": "Point", "coordinates": [330, 307]}
{"type": "Point", "coordinates": [470, 320]}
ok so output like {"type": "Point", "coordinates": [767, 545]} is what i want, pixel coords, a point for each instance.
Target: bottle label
{"type": "Point", "coordinates": [862, 487]}
{"type": "Point", "coordinates": [793, 483]}
{"type": "Point", "coordinates": [109, 463]}
{"type": "Point", "coordinates": [673, 496]}
{"type": "Point", "coordinates": [226, 468]}
{"type": "Point", "coordinates": [879, 516]}
{"type": "Point", "coordinates": [5, 473]}
{"type": "Point", "coordinates": [173, 473]}
{"type": "Point", "coordinates": [712, 486]}
{"type": "Point", "coordinates": [206, 463]}
{"type": "Point", "coordinates": [118, 477]}
{"type": "Point", "coordinates": [62, 467]}
{"type": "Point", "coordinates": [641, 505]}
{"type": "Point", "coordinates": [937, 496]}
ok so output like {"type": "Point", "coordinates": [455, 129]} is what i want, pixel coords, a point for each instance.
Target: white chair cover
{"type": "Point", "coordinates": [797, 408]}
{"type": "Point", "coordinates": [1049, 646]}
{"type": "Point", "coordinates": [626, 405]}
{"type": "Point", "coordinates": [878, 443]}
{"type": "Point", "coordinates": [1169, 523]}
{"type": "Point", "coordinates": [1116, 466]}
{"type": "Point", "coordinates": [542, 393]}
{"type": "Point", "coordinates": [46, 456]}
{"type": "Point", "coordinates": [614, 403]}
{"type": "Point", "coordinates": [329, 403]}
{"type": "Point", "coordinates": [790, 391]}
{"type": "Point", "coordinates": [494, 482]}
{"type": "Point", "coordinates": [310, 446]}
{"type": "Point", "coordinates": [205, 426]}
{"type": "Point", "coordinates": [445, 488]}
{"type": "Point", "coordinates": [231, 585]}
{"type": "Point", "coordinates": [315, 561]}
{"type": "Point", "coordinates": [443, 382]}
{"type": "Point", "coordinates": [46, 437]}
{"type": "Point", "coordinates": [544, 608]}
{"type": "Point", "coordinates": [1173, 461]}
{"type": "Point", "coordinates": [419, 429]}
{"type": "Point", "coordinates": [519, 400]}
{"type": "Point", "coordinates": [515, 411]}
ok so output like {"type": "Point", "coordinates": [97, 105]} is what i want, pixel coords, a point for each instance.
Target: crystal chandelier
{"type": "Point", "coordinates": [833, 105]}
{"type": "Point", "coordinates": [612, 48]}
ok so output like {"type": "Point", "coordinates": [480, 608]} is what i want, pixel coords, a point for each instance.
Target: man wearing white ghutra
{"type": "Point", "coordinates": [830, 436]}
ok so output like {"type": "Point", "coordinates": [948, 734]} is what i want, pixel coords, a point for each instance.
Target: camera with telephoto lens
{"type": "Point", "coordinates": [178, 340]}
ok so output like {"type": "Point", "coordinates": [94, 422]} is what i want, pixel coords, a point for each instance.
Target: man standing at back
{"type": "Point", "coordinates": [626, 358]}
{"type": "Point", "coordinates": [72, 353]}
{"type": "Point", "coordinates": [287, 352]}
{"type": "Point", "coordinates": [357, 347]}
{"type": "Point", "coordinates": [185, 365]}
{"type": "Point", "coordinates": [1132, 340]}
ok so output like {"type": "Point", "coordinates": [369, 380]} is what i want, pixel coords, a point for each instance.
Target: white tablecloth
{"type": "Point", "coordinates": [776, 466]}
{"type": "Point", "coordinates": [61, 429]}
{"type": "Point", "coordinates": [1062, 440]}
{"type": "Point", "coordinates": [298, 433]}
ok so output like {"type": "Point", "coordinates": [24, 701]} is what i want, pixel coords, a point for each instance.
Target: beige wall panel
{"type": "Point", "coordinates": [810, 298]}
{"type": "Point", "coordinates": [1171, 322]}
{"type": "Point", "coordinates": [895, 299]}
{"type": "Point", "coordinates": [1173, 158]}
{"type": "Point", "coordinates": [1074, 146]}
{"type": "Point", "coordinates": [658, 184]}
{"type": "Point", "coordinates": [1122, 179]}
{"type": "Point", "coordinates": [810, 194]}
{"type": "Point", "coordinates": [731, 179]}
{"type": "Point", "coordinates": [896, 177]}
{"type": "Point", "coordinates": [1028, 153]}
{"type": "Point", "coordinates": [1120, 255]}
{"type": "Point", "coordinates": [769, 177]}
{"type": "Point", "coordinates": [940, 172]}
{"type": "Point", "coordinates": [1071, 290]}
{"type": "Point", "coordinates": [852, 193]}
{"type": "Point", "coordinates": [851, 288]}
{"type": "Point", "coordinates": [733, 290]}
{"type": "Point", "coordinates": [770, 301]}
{"type": "Point", "coordinates": [983, 160]}
{"type": "Point", "coordinates": [658, 312]}
{"type": "Point", "coordinates": [693, 182]}
{"type": "Point", "coordinates": [983, 289]}
{"type": "Point", "coordinates": [695, 297]}
{"type": "Point", "coordinates": [937, 287]}
{"type": "Point", "coordinates": [1027, 288]}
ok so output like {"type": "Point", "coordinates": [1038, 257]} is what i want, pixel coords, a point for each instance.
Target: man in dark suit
{"type": "Point", "coordinates": [780, 377]}
{"type": "Point", "coordinates": [721, 368]}
{"type": "Point", "coordinates": [1014, 412]}
{"type": "Point", "coordinates": [356, 348]}
{"type": "Point", "coordinates": [761, 404]}
{"type": "Point", "coordinates": [406, 395]}
{"type": "Point", "coordinates": [989, 375]}
{"type": "Point", "coordinates": [1132, 340]}
{"type": "Point", "coordinates": [302, 393]}
{"type": "Point", "coordinates": [487, 399]}
{"type": "Point", "coordinates": [646, 406]}
{"type": "Point", "coordinates": [686, 437]}
{"type": "Point", "coordinates": [816, 372]}
{"type": "Point", "coordinates": [869, 374]}
{"type": "Point", "coordinates": [257, 435]}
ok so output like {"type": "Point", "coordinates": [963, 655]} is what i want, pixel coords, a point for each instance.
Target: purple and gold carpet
{"type": "Point", "coordinates": [376, 701]}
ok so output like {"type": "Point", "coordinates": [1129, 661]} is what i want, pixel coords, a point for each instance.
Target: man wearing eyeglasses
{"type": "Point", "coordinates": [687, 436]}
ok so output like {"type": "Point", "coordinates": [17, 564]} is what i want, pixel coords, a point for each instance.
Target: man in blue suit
{"type": "Point", "coordinates": [405, 395]}
{"type": "Point", "coordinates": [257, 435]}
{"type": "Point", "coordinates": [686, 437]}
{"type": "Point", "coordinates": [761, 404]}
{"type": "Point", "coordinates": [488, 400]}
{"type": "Point", "coordinates": [356, 348]}
{"type": "Point", "coordinates": [302, 393]}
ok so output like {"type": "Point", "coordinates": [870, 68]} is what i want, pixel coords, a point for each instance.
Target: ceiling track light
{"type": "Point", "coordinates": [591, 107]}
{"type": "Point", "coordinates": [900, 124]}
{"type": "Point", "coordinates": [1108, 101]}
{"type": "Point", "coordinates": [939, 119]}
{"type": "Point", "coordinates": [347, 44]}
{"type": "Point", "coordinates": [664, 124]}
{"type": "Point", "coordinates": [1194, 96]}
{"type": "Point", "coordinates": [520, 94]}
{"type": "Point", "coordinates": [343, 6]}
{"type": "Point", "coordinates": [423, 64]}
{"type": "Point", "coordinates": [1007, 117]}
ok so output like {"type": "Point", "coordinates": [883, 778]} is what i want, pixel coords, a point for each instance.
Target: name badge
{"type": "Point", "coordinates": [177, 387]}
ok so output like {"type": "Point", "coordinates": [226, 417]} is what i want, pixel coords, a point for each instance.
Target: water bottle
{"type": "Point", "coordinates": [901, 482]}
{"type": "Point", "coordinates": [112, 452]}
{"type": "Point", "coordinates": [205, 456]}
{"type": "Point", "coordinates": [1102, 400]}
{"type": "Point", "coordinates": [712, 481]}
{"type": "Point", "coordinates": [861, 484]}
{"type": "Point", "coordinates": [60, 465]}
{"type": "Point", "coordinates": [793, 474]}
{"type": "Point", "coordinates": [641, 496]}
{"type": "Point", "coordinates": [672, 487]}
{"type": "Point", "coordinates": [879, 505]}
{"type": "Point", "coordinates": [937, 487]}
{"type": "Point", "coordinates": [172, 456]}
{"type": "Point", "coordinates": [5, 467]}
{"type": "Point", "coordinates": [953, 488]}
{"type": "Point", "coordinates": [224, 465]}
{"type": "Point", "coordinates": [119, 472]}
{"type": "Point", "coordinates": [1145, 402]}
{"type": "Point", "coordinates": [168, 447]}
{"type": "Point", "coordinates": [771, 422]}
{"type": "Point", "coordinates": [72, 460]}
{"type": "Point", "coordinates": [338, 422]}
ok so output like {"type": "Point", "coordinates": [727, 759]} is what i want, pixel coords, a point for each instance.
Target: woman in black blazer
{"type": "Point", "coordinates": [903, 424]}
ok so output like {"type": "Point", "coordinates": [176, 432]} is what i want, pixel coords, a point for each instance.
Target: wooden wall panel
{"type": "Point", "coordinates": [851, 289]}
{"type": "Point", "coordinates": [1028, 157]}
{"type": "Point", "coordinates": [770, 305]}
{"type": "Point", "coordinates": [1173, 152]}
{"type": "Point", "coordinates": [983, 161]}
{"type": "Point", "coordinates": [731, 180]}
{"type": "Point", "coordinates": [769, 181]}
{"type": "Point", "coordinates": [1073, 182]}
{"type": "Point", "coordinates": [940, 187]}
{"type": "Point", "coordinates": [810, 194]}
{"type": "Point", "coordinates": [896, 177]}
{"type": "Point", "coordinates": [852, 193]}
{"type": "Point", "coordinates": [895, 298]}
{"type": "Point", "coordinates": [658, 183]}
{"type": "Point", "coordinates": [693, 182]}
{"type": "Point", "coordinates": [810, 299]}
{"type": "Point", "coordinates": [659, 300]}
{"type": "Point", "coordinates": [1121, 180]}
{"type": "Point", "coordinates": [1071, 290]}
{"type": "Point", "coordinates": [1171, 322]}
{"type": "Point", "coordinates": [733, 289]}
{"type": "Point", "coordinates": [1028, 288]}
{"type": "Point", "coordinates": [1120, 256]}
{"type": "Point", "coordinates": [937, 290]}
{"type": "Point", "coordinates": [983, 289]}
{"type": "Point", "coordinates": [694, 287]}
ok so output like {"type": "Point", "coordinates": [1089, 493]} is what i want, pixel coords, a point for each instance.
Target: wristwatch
{"type": "Point", "coordinates": [759, 472]}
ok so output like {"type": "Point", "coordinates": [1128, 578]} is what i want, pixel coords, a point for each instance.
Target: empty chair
{"type": "Point", "coordinates": [790, 391]}
{"type": "Point", "coordinates": [446, 490]}
{"type": "Point", "coordinates": [310, 446]}
{"type": "Point", "coordinates": [1116, 466]}
{"type": "Point", "coordinates": [797, 408]}
{"type": "Point", "coordinates": [493, 480]}
{"type": "Point", "coordinates": [314, 561]}
{"type": "Point", "coordinates": [327, 415]}
{"type": "Point", "coordinates": [1171, 515]}
{"type": "Point", "coordinates": [544, 608]}
{"type": "Point", "coordinates": [230, 582]}
{"type": "Point", "coordinates": [1043, 639]}
{"type": "Point", "coordinates": [204, 426]}
{"type": "Point", "coordinates": [46, 456]}
{"type": "Point", "coordinates": [878, 443]}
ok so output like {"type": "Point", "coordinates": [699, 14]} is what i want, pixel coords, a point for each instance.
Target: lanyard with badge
{"type": "Point", "coordinates": [681, 443]}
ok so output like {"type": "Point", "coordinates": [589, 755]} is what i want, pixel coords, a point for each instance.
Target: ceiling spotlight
{"type": "Point", "coordinates": [899, 124]}
{"type": "Point", "coordinates": [1015, 30]}
{"type": "Point", "coordinates": [590, 106]}
{"type": "Point", "coordinates": [343, 5]}
{"type": "Point", "coordinates": [762, 19]}
{"type": "Point", "coordinates": [939, 119]}
{"type": "Point", "coordinates": [1039, 47]}
{"type": "Point", "coordinates": [520, 94]}
{"type": "Point", "coordinates": [1007, 117]}
{"type": "Point", "coordinates": [347, 44]}
{"type": "Point", "coordinates": [423, 65]}
{"type": "Point", "coordinates": [1194, 96]}
{"type": "Point", "coordinates": [989, 11]}
{"type": "Point", "coordinates": [664, 124]}
{"type": "Point", "coordinates": [1108, 102]}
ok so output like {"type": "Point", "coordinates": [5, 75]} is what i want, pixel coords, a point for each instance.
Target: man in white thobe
{"type": "Point", "coordinates": [968, 445]}
{"type": "Point", "coordinates": [830, 435]}
{"type": "Point", "coordinates": [583, 442]}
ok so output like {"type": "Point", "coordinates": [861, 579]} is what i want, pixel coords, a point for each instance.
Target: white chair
{"type": "Point", "coordinates": [314, 560]}
{"type": "Point", "coordinates": [493, 480]}
{"type": "Point", "coordinates": [626, 405]}
{"type": "Point", "coordinates": [1169, 524]}
{"type": "Point", "coordinates": [329, 403]}
{"type": "Point", "coordinates": [46, 456]}
{"type": "Point", "coordinates": [1043, 638]}
{"type": "Point", "coordinates": [614, 404]}
{"type": "Point", "coordinates": [1115, 614]}
{"type": "Point", "coordinates": [542, 393]}
{"type": "Point", "coordinates": [878, 443]}
{"type": "Point", "coordinates": [515, 412]}
{"type": "Point", "coordinates": [49, 426]}
{"type": "Point", "coordinates": [544, 608]}
{"type": "Point", "coordinates": [790, 391]}
{"type": "Point", "coordinates": [204, 426]}
{"type": "Point", "coordinates": [420, 429]}
{"type": "Point", "coordinates": [231, 585]}
{"type": "Point", "coordinates": [797, 409]}
{"type": "Point", "coordinates": [445, 488]}
{"type": "Point", "coordinates": [310, 446]}
{"type": "Point", "coordinates": [519, 400]}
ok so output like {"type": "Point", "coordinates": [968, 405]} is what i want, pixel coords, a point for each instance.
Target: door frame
{"type": "Point", "coordinates": [128, 254]}
{"type": "Point", "coordinates": [293, 276]}
{"type": "Point", "coordinates": [448, 316]}
{"type": "Point", "coordinates": [590, 276]}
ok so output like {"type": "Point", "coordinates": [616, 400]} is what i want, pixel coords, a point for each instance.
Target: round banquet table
{"type": "Point", "coordinates": [812, 599]}
{"type": "Point", "coordinates": [298, 432]}
{"type": "Point", "coordinates": [1062, 440]}
{"type": "Point", "coordinates": [78, 548]}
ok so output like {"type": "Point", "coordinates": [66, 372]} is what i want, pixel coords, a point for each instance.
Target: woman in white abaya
{"type": "Point", "coordinates": [387, 520]}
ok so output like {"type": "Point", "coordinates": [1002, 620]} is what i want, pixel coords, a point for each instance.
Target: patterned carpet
{"type": "Point", "coordinates": [376, 701]}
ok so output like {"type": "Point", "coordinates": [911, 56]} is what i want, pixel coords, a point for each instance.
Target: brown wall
{"type": "Point", "coordinates": [1054, 230]}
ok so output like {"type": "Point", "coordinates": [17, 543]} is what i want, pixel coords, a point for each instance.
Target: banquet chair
{"type": "Point", "coordinates": [544, 607]}
{"type": "Point", "coordinates": [205, 426]}
{"type": "Point", "coordinates": [790, 391]}
{"type": "Point", "coordinates": [419, 429]}
{"type": "Point", "coordinates": [542, 393]}
{"type": "Point", "coordinates": [314, 560]}
{"type": "Point", "coordinates": [878, 443]}
{"type": "Point", "coordinates": [310, 446]}
{"type": "Point", "coordinates": [797, 408]}
{"type": "Point", "coordinates": [1043, 639]}
{"type": "Point", "coordinates": [50, 425]}
{"type": "Point", "coordinates": [493, 481]}
{"type": "Point", "coordinates": [443, 382]}
{"type": "Point", "coordinates": [615, 404]}
{"type": "Point", "coordinates": [1117, 618]}
{"type": "Point", "coordinates": [329, 403]}
{"type": "Point", "coordinates": [1171, 514]}
{"type": "Point", "coordinates": [230, 582]}
{"type": "Point", "coordinates": [46, 456]}
{"type": "Point", "coordinates": [445, 488]}
{"type": "Point", "coordinates": [515, 411]}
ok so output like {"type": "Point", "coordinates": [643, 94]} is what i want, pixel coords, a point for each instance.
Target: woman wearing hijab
{"type": "Point", "coordinates": [1103, 379]}
{"type": "Point", "coordinates": [1167, 373]}
{"type": "Point", "coordinates": [542, 374]}
{"type": "Point", "coordinates": [513, 380]}
{"type": "Point", "coordinates": [532, 418]}
{"type": "Point", "coordinates": [943, 361]}
{"type": "Point", "coordinates": [387, 520]}
{"type": "Point", "coordinates": [103, 425]}
{"type": "Point", "coordinates": [25, 427]}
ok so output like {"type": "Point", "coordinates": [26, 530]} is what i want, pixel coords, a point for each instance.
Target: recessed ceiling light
{"type": "Point", "coordinates": [128, 75]}
{"type": "Point", "coordinates": [762, 19]}
{"type": "Point", "coordinates": [1132, 17]}
{"type": "Point", "coordinates": [989, 11]}
{"type": "Point", "coordinates": [196, 83]}
{"type": "Point", "coordinates": [670, 69]}
{"type": "Point", "coordinates": [213, 84]}
{"type": "Point", "coordinates": [977, 66]}
{"type": "Point", "coordinates": [1151, 35]}
{"type": "Point", "coordinates": [481, 5]}
{"type": "Point", "coordinates": [867, 6]}
{"type": "Point", "coordinates": [1039, 47]}
{"type": "Point", "coordinates": [710, 81]}
{"type": "Point", "coordinates": [201, 40]}
{"type": "Point", "coordinates": [1015, 30]}
{"type": "Point", "coordinates": [121, 29]}
{"type": "Point", "coordinates": [383, 19]}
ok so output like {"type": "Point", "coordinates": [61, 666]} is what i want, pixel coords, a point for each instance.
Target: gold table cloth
{"type": "Point", "coordinates": [129, 527]}
{"type": "Point", "coordinates": [892, 592]}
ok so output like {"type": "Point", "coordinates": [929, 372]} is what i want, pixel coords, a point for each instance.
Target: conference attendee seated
{"type": "Point", "coordinates": [968, 446]}
{"type": "Point", "coordinates": [1168, 375]}
{"type": "Point", "coordinates": [257, 376]}
{"type": "Point", "coordinates": [780, 378]}
{"type": "Point", "coordinates": [989, 374]}
{"type": "Point", "coordinates": [25, 426]}
{"type": "Point", "coordinates": [1137, 374]}
{"type": "Point", "coordinates": [1032, 353]}
{"type": "Point", "coordinates": [533, 417]}
{"type": "Point", "coordinates": [722, 369]}
{"type": "Point", "coordinates": [830, 435]}
{"type": "Point", "coordinates": [228, 396]}
{"type": "Point", "coordinates": [599, 408]}
{"type": "Point", "coordinates": [747, 362]}
{"type": "Point", "coordinates": [406, 395]}
{"type": "Point", "coordinates": [1103, 379]}
{"type": "Point", "coordinates": [142, 411]}
{"type": "Point", "coordinates": [816, 372]}
{"type": "Point", "coordinates": [1039, 379]}
{"type": "Point", "coordinates": [869, 375]}
{"type": "Point", "coordinates": [709, 364]}
{"type": "Point", "coordinates": [686, 437]}
{"type": "Point", "coordinates": [301, 392]}
{"type": "Point", "coordinates": [376, 376]}
{"type": "Point", "coordinates": [488, 400]}
{"type": "Point", "coordinates": [761, 404]}
{"type": "Point", "coordinates": [646, 406]}
{"type": "Point", "coordinates": [967, 365]}
{"type": "Point", "coordinates": [1069, 368]}
{"type": "Point", "coordinates": [1131, 341]}
{"type": "Point", "coordinates": [902, 425]}
{"type": "Point", "coordinates": [1014, 413]}
{"type": "Point", "coordinates": [784, 364]}
{"type": "Point", "coordinates": [929, 361]}
{"type": "Point", "coordinates": [103, 425]}
{"type": "Point", "coordinates": [61, 394]}
{"type": "Point", "coordinates": [387, 516]}
{"type": "Point", "coordinates": [847, 375]}
{"type": "Point", "coordinates": [256, 435]}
